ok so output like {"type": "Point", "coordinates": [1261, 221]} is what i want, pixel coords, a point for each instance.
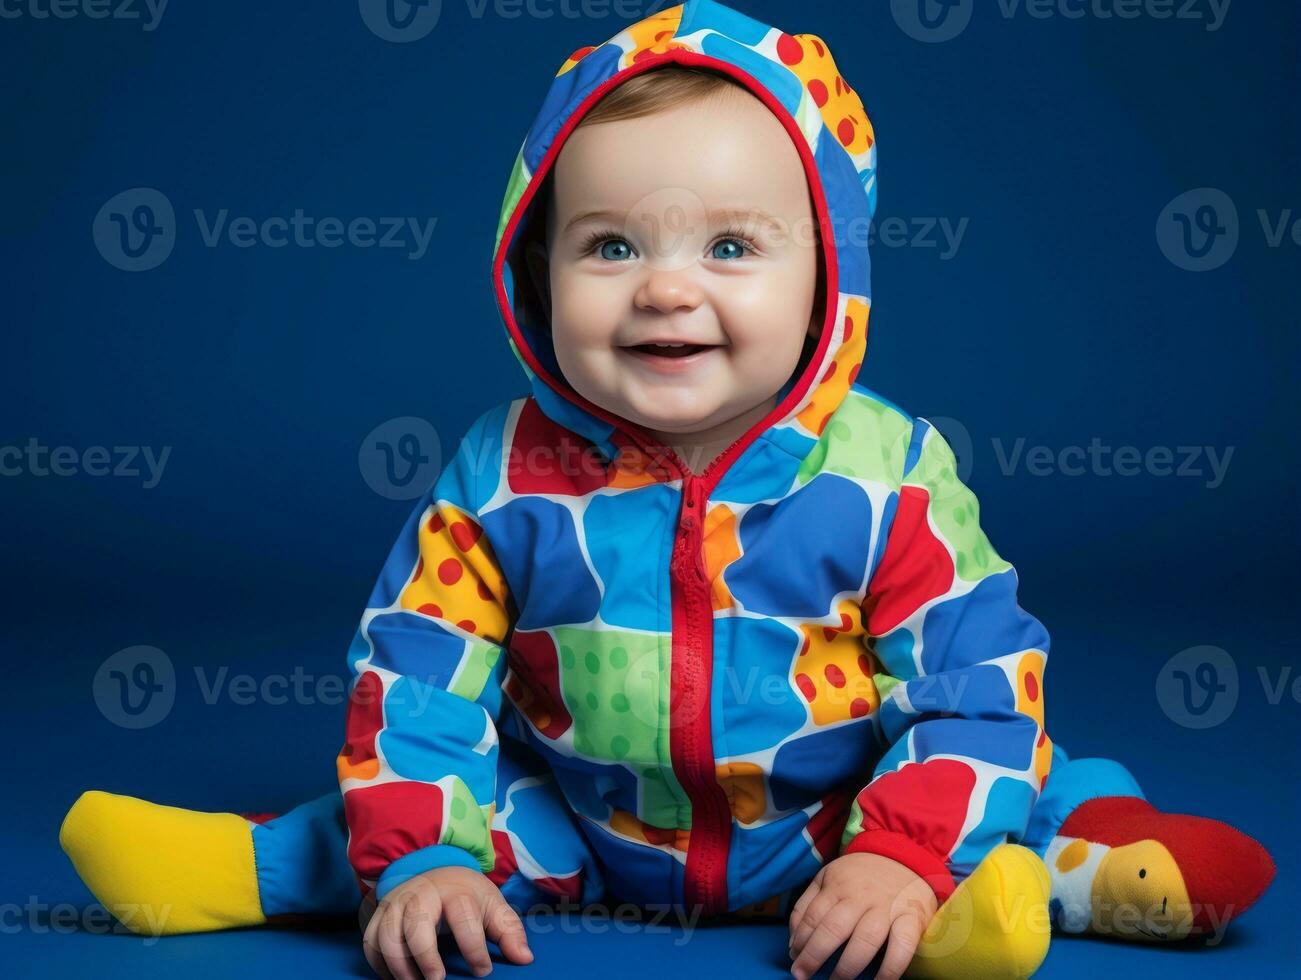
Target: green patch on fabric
{"type": "Point", "coordinates": [469, 824]}
{"type": "Point", "coordinates": [885, 683]}
{"type": "Point", "coordinates": [476, 668]}
{"type": "Point", "coordinates": [954, 510]}
{"type": "Point", "coordinates": [864, 439]}
{"type": "Point", "coordinates": [519, 181]}
{"type": "Point", "coordinates": [617, 692]}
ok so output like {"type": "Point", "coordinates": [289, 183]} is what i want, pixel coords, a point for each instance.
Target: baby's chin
{"type": "Point", "coordinates": [686, 418]}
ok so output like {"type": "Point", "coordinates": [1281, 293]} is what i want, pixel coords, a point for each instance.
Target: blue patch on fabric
{"type": "Point", "coordinates": [431, 733]}
{"type": "Point", "coordinates": [629, 538]}
{"type": "Point", "coordinates": [983, 624]}
{"type": "Point", "coordinates": [409, 643]}
{"type": "Point", "coordinates": [804, 769]}
{"type": "Point", "coordinates": [1003, 742]}
{"type": "Point", "coordinates": [849, 212]}
{"type": "Point", "coordinates": [706, 14]}
{"type": "Point", "coordinates": [780, 81]}
{"type": "Point", "coordinates": [543, 542]}
{"type": "Point", "coordinates": [823, 530]}
{"type": "Point", "coordinates": [757, 706]}
{"type": "Point", "coordinates": [1007, 807]}
{"type": "Point", "coordinates": [564, 95]}
{"type": "Point", "coordinates": [764, 860]}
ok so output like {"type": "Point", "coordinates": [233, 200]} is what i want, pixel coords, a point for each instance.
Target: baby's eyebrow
{"type": "Point", "coordinates": [742, 215]}
{"type": "Point", "coordinates": [605, 214]}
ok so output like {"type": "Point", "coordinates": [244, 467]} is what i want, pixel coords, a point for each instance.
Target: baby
{"type": "Point", "coordinates": [701, 622]}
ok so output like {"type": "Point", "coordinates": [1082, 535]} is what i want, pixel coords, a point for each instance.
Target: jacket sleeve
{"type": "Point", "coordinates": [418, 765]}
{"type": "Point", "coordinates": [961, 720]}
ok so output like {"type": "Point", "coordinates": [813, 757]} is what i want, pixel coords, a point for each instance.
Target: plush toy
{"type": "Point", "coordinates": [1121, 867]}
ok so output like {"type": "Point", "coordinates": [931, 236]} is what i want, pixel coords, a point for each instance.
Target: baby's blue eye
{"type": "Point", "coordinates": [616, 250]}
{"type": "Point", "coordinates": [737, 247]}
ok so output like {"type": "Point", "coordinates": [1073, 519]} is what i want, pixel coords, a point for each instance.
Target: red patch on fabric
{"type": "Point", "coordinates": [505, 863]}
{"type": "Point", "coordinates": [925, 801]}
{"type": "Point", "coordinates": [365, 717]}
{"type": "Point", "coordinates": [389, 821]}
{"type": "Point", "coordinates": [827, 825]}
{"type": "Point", "coordinates": [546, 458]}
{"type": "Point", "coordinates": [915, 568]}
{"type": "Point", "coordinates": [534, 682]}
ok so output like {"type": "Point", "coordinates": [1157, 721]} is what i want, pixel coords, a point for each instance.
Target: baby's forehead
{"type": "Point", "coordinates": [718, 183]}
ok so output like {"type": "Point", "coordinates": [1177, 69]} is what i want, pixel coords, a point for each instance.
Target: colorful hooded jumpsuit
{"type": "Point", "coordinates": [588, 672]}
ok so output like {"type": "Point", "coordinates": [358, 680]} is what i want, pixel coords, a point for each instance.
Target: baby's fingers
{"type": "Point", "coordinates": [905, 934]}
{"type": "Point", "coordinates": [868, 937]}
{"type": "Point", "coordinates": [507, 931]}
{"type": "Point", "coordinates": [465, 917]}
{"type": "Point", "coordinates": [831, 930]}
{"type": "Point", "coordinates": [802, 906]}
{"type": "Point", "coordinates": [419, 926]}
{"type": "Point", "coordinates": [394, 960]}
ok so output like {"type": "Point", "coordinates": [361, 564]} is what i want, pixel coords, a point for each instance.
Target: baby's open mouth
{"type": "Point", "coordinates": [670, 350]}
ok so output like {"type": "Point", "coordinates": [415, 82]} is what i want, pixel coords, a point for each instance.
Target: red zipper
{"type": "Point", "coordinates": [691, 742]}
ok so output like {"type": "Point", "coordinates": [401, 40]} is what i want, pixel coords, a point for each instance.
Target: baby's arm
{"type": "Point", "coordinates": [419, 761]}
{"type": "Point", "coordinates": [967, 752]}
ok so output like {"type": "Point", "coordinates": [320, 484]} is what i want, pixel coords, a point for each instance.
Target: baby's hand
{"type": "Point", "coordinates": [868, 900]}
{"type": "Point", "coordinates": [401, 939]}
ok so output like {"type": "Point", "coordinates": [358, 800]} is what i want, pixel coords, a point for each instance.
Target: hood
{"type": "Point", "coordinates": [795, 77]}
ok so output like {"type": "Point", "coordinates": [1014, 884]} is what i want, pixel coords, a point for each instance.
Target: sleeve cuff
{"type": "Point", "coordinates": [910, 854]}
{"type": "Point", "coordinates": [417, 862]}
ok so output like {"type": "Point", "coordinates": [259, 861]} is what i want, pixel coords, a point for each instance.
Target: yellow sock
{"type": "Point", "coordinates": [994, 926]}
{"type": "Point", "coordinates": [160, 869]}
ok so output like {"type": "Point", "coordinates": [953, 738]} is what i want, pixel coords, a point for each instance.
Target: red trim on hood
{"type": "Point", "coordinates": [714, 471]}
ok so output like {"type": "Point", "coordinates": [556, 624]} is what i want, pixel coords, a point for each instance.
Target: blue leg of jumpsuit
{"type": "Point", "coordinates": [1071, 782]}
{"type": "Point", "coordinates": [302, 860]}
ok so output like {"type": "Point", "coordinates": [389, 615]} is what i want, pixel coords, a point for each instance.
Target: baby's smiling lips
{"type": "Point", "coordinates": [669, 356]}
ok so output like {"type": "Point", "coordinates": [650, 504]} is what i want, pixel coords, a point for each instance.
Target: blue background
{"type": "Point", "coordinates": [1058, 320]}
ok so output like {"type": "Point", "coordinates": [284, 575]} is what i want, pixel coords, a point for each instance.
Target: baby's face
{"type": "Point", "coordinates": [692, 226]}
